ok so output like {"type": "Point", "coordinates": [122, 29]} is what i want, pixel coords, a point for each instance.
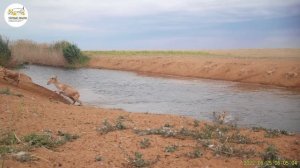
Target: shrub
{"type": "Point", "coordinates": [71, 52]}
{"type": "Point", "coordinates": [5, 53]}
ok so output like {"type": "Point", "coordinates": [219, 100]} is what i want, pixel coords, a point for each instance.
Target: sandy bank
{"type": "Point", "coordinates": [40, 110]}
{"type": "Point", "coordinates": [280, 67]}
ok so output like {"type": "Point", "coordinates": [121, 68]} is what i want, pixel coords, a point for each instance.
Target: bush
{"type": "Point", "coordinates": [71, 52]}
{"type": "Point", "coordinates": [5, 53]}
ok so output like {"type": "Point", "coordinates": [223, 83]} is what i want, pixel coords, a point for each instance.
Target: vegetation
{"type": "Point", "coordinates": [71, 53]}
{"type": "Point", "coordinates": [6, 91]}
{"type": "Point", "coordinates": [62, 53]}
{"type": "Point", "coordinates": [138, 160]}
{"type": "Point", "coordinates": [171, 148]}
{"type": "Point", "coordinates": [195, 154]}
{"type": "Point", "coordinates": [145, 143]}
{"type": "Point", "coordinates": [47, 140]}
{"type": "Point", "coordinates": [5, 52]}
{"type": "Point", "coordinates": [145, 53]}
{"type": "Point", "coordinates": [108, 127]}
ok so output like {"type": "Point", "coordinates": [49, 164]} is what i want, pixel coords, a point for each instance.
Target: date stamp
{"type": "Point", "coordinates": [270, 162]}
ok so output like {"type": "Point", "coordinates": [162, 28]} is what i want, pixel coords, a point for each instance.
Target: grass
{"type": "Point", "coordinates": [47, 140]}
{"type": "Point", "coordinates": [145, 143]}
{"type": "Point", "coordinates": [6, 91]}
{"type": "Point", "coordinates": [108, 127]}
{"type": "Point", "coordinates": [138, 160]}
{"type": "Point", "coordinates": [196, 123]}
{"type": "Point", "coordinates": [171, 148]}
{"type": "Point", "coordinates": [145, 53]}
{"type": "Point", "coordinates": [196, 153]}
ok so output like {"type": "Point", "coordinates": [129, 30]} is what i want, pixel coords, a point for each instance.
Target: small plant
{"type": "Point", "coordinates": [108, 127]}
{"type": "Point", "coordinates": [239, 139]}
{"type": "Point", "coordinates": [171, 148]}
{"type": "Point", "coordinates": [271, 153]}
{"type": "Point", "coordinates": [138, 160]}
{"type": "Point", "coordinates": [5, 149]}
{"type": "Point", "coordinates": [66, 137]}
{"type": "Point", "coordinates": [120, 125]}
{"type": "Point", "coordinates": [196, 123]}
{"type": "Point", "coordinates": [145, 143]}
{"type": "Point", "coordinates": [195, 154]}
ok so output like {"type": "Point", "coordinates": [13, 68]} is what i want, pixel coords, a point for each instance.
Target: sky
{"type": "Point", "coordinates": [160, 24]}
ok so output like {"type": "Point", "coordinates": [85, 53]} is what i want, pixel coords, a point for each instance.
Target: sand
{"type": "Point", "coordinates": [40, 109]}
{"type": "Point", "coordinates": [278, 67]}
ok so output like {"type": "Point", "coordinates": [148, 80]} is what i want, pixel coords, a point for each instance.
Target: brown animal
{"type": "Point", "coordinates": [65, 90]}
{"type": "Point", "coordinates": [220, 117]}
{"type": "Point", "coordinates": [9, 74]}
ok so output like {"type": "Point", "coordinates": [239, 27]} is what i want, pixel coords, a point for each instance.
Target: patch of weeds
{"type": "Point", "coordinates": [227, 150]}
{"type": "Point", "coordinates": [8, 139]}
{"type": "Point", "coordinates": [47, 140]}
{"type": "Point", "coordinates": [195, 154]}
{"type": "Point", "coordinates": [138, 160]}
{"type": "Point", "coordinates": [196, 123]}
{"type": "Point", "coordinates": [6, 149]}
{"type": "Point", "coordinates": [145, 143]}
{"type": "Point", "coordinates": [120, 125]}
{"type": "Point", "coordinates": [171, 148]}
{"type": "Point", "coordinates": [271, 153]}
{"type": "Point", "coordinates": [163, 131]}
{"type": "Point", "coordinates": [108, 127]}
{"type": "Point", "coordinates": [239, 139]}
{"type": "Point", "coordinates": [68, 136]}
{"type": "Point", "coordinates": [208, 132]}
{"type": "Point", "coordinates": [39, 140]}
{"type": "Point", "coordinates": [6, 91]}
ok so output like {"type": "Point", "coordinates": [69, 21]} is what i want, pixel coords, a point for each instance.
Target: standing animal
{"type": "Point", "coordinates": [9, 74]}
{"type": "Point", "coordinates": [65, 89]}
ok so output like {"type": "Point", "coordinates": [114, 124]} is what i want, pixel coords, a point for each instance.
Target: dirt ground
{"type": "Point", "coordinates": [279, 67]}
{"type": "Point", "coordinates": [39, 110]}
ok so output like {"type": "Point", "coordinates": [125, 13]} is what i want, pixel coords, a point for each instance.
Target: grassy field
{"type": "Point", "coordinates": [239, 53]}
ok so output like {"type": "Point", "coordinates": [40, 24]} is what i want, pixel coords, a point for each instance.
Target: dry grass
{"type": "Point", "coordinates": [25, 51]}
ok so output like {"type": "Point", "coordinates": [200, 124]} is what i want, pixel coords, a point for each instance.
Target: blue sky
{"type": "Point", "coordinates": [160, 24]}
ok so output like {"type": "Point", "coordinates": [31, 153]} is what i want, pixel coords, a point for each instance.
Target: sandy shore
{"type": "Point", "coordinates": [201, 144]}
{"type": "Point", "coordinates": [279, 67]}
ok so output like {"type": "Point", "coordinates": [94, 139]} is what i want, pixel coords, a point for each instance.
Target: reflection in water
{"type": "Point", "coordinates": [249, 105]}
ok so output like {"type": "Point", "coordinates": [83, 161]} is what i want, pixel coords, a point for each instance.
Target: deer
{"type": "Point", "coordinates": [65, 90]}
{"type": "Point", "coordinates": [9, 74]}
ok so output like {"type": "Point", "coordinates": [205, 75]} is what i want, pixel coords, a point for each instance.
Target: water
{"type": "Point", "coordinates": [249, 105]}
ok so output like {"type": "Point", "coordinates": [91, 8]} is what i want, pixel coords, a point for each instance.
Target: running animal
{"type": "Point", "coordinates": [65, 90]}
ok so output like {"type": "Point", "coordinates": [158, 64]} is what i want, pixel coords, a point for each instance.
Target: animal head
{"type": "Point", "coordinates": [53, 79]}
